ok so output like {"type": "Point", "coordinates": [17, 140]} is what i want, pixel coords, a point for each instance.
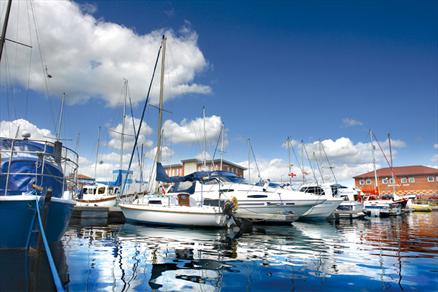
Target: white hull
{"type": "Point", "coordinates": [350, 210]}
{"type": "Point", "coordinates": [107, 201]}
{"type": "Point", "coordinates": [174, 215]}
{"type": "Point", "coordinates": [324, 210]}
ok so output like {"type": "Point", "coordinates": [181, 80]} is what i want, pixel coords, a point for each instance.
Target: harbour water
{"type": "Point", "coordinates": [390, 254]}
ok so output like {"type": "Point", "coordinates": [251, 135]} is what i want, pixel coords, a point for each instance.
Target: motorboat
{"type": "Point", "coordinates": [32, 183]}
{"type": "Point", "coordinates": [328, 207]}
{"type": "Point", "coordinates": [350, 207]}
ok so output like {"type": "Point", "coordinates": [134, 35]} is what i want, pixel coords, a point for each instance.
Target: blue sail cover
{"type": "Point", "coordinates": [195, 176]}
{"type": "Point", "coordinates": [24, 166]}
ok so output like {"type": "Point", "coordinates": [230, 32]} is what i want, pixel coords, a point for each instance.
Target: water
{"type": "Point", "coordinates": [391, 254]}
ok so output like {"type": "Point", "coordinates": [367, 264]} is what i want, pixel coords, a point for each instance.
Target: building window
{"type": "Point", "coordinates": [411, 179]}
{"type": "Point", "coordinates": [361, 182]}
{"type": "Point", "coordinates": [404, 180]}
{"type": "Point", "coordinates": [391, 181]}
{"type": "Point", "coordinates": [368, 181]}
{"type": "Point", "coordinates": [430, 179]}
{"type": "Point", "coordinates": [385, 181]}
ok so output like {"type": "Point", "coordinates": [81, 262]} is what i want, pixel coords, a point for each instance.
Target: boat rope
{"type": "Point", "coordinates": [53, 270]}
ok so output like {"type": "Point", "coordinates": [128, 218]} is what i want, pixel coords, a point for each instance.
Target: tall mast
{"type": "Point", "coordinates": [97, 154]}
{"type": "Point", "coordinates": [122, 138]}
{"type": "Point", "coordinates": [328, 161]}
{"type": "Point", "coordinates": [204, 156]}
{"type": "Point", "coordinates": [5, 26]}
{"type": "Point", "coordinates": [160, 109]}
{"type": "Point", "coordinates": [222, 146]}
{"type": "Point", "coordinates": [61, 112]}
{"type": "Point", "coordinates": [310, 163]}
{"type": "Point", "coordinates": [391, 164]}
{"type": "Point", "coordinates": [249, 161]}
{"type": "Point", "coordinates": [373, 149]}
{"type": "Point", "coordinates": [319, 167]}
{"type": "Point", "coordinates": [288, 161]}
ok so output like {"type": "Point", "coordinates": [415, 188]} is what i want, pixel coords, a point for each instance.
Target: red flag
{"type": "Point", "coordinates": [291, 174]}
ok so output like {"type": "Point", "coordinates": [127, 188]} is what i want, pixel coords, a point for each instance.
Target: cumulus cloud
{"type": "Point", "coordinates": [8, 129]}
{"type": "Point", "coordinates": [89, 57]}
{"type": "Point", "coordinates": [192, 131]}
{"type": "Point", "coordinates": [435, 146]}
{"type": "Point", "coordinates": [349, 122]}
{"type": "Point", "coordinates": [116, 134]}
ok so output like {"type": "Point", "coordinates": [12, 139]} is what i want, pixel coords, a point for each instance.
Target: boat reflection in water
{"type": "Point", "coordinates": [378, 254]}
{"type": "Point", "coordinates": [29, 271]}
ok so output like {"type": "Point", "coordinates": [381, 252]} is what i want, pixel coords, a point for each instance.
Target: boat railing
{"type": "Point", "coordinates": [66, 159]}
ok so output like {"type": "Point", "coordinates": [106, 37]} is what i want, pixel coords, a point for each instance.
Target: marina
{"type": "Point", "coordinates": [401, 255]}
{"type": "Point", "coordinates": [239, 146]}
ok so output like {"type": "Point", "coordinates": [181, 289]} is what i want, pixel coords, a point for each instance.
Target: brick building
{"type": "Point", "coordinates": [188, 166]}
{"type": "Point", "coordinates": [417, 179]}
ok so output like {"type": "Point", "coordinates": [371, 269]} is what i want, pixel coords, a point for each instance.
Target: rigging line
{"type": "Point", "coordinates": [26, 107]}
{"type": "Point", "coordinates": [381, 149]}
{"type": "Point", "coordinates": [328, 161]}
{"type": "Point", "coordinates": [255, 160]}
{"type": "Point", "coordinates": [217, 145]}
{"type": "Point", "coordinates": [310, 162]}
{"type": "Point", "coordinates": [43, 65]}
{"type": "Point", "coordinates": [142, 117]}
{"type": "Point", "coordinates": [133, 123]}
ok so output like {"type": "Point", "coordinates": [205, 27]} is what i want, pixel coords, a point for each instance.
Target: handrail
{"type": "Point", "coordinates": [55, 275]}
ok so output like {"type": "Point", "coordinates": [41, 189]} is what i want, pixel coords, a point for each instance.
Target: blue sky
{"type": "Point", "coordinates": [278, 69]}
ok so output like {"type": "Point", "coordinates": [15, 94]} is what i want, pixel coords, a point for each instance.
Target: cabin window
{"type": "Point", "coordinates": [368, 181]}
{"type": "Point", "coordinates": [412, 179]}
{"type": "Point", "coordinates": [110, 190]}
{"type": "Point", "coordinates": [361, 182]}
{"type": "Point", "coordinates": [313, 190]}
{"type": "Point", "coordinates": [101, 191]}
{"type": "Point", "coordinates": [385, 181]}
{"type": "Point", "coordinates": [430, 179]}
{"type": "Point", "coordinates": [116, 190]}
{"type": "Point", "coordinates": [404, 180]}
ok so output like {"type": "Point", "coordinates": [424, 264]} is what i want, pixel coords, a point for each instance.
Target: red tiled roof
{"type": "Point", "coordinates": [401, 171]}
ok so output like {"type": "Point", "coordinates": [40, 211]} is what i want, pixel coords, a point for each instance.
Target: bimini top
{"type": "Point", "coordinates": [197, 176]}
{"type": "Point", "coordinates": [25, 163]}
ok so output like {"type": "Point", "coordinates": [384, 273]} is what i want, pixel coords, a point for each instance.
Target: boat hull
{"type": "Point", "coordinates": [382, 209]}
{"type": "Point", "coordinates": [174, 215]}
{"type": "Point", "coordinates": [323, 210]}
{"type": "Point", "coordinates": [22, 228]}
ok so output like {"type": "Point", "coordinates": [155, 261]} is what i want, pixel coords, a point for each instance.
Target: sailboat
{"type": "Point", "coordinates": [386, 205]}
{"type": "Point", "coordinates": [179, 210]}
{"type": "Point", "coordinates": [35, 196]}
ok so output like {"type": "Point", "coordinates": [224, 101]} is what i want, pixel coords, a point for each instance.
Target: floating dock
{"type": "Point", "coordinates": [94, 215]}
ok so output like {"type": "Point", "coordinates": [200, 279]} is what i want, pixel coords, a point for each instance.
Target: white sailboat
{"type": "Point", "coordinates": [181, 209]}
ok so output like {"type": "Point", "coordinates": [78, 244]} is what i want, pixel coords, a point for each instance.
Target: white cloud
{"type": "Point", "coordinates": [116, 135]}
{"type": "Point", "coordinates": [8, 129]}
{"type": "Point", "coordinates": [89, 57]}
{"type": "Point", "coordinates": [192, 131]}
{"type": "Point", "coordinates": [349, 122]}
{"type": "Point", "coordinates": [435, 146]}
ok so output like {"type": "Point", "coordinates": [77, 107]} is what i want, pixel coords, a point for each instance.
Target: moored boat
{"type": "Point", "coordinates": [32, 181]}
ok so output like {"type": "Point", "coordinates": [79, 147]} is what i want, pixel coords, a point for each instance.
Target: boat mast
{"type": "Point", "coordinates": [328, 161]}
{"type": "Point", "coordinates": [373, 149]}
{"type": "Point", "coordinates": [97, 153]}
{"type": "Point", "coordinates": [204, 156]}
{"type": "Point", "coordinates": [288, 161]}
{"type": "Point", "coordinates": [249, 161]}
{"type": "Point", "coordinates": [5, 26]}
{"type": "Point", "coordinates": [391, 164]}
{"type": "Point", "coordinates": [310, 163]}
{"type": "Point", "coordinates": [222, 146]}
{"type": "Point", "coordinates": [58, 131]}
{"type": "Point", "coordinates": [160, 109]}
{"type": "Point", "coordinates": [122, 138]}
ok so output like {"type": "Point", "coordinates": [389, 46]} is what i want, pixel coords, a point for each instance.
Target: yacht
{"type": "Point", "coordinates": [328, 207]}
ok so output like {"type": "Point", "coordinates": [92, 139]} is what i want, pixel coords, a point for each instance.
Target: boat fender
{"type": "Point", "coordinates": [235, 203]}
{"type": "Point", "coordinates": [228, 208]}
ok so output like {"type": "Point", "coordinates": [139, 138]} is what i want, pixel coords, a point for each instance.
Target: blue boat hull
{"type": "Point", "coordinates": [19, 227]}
